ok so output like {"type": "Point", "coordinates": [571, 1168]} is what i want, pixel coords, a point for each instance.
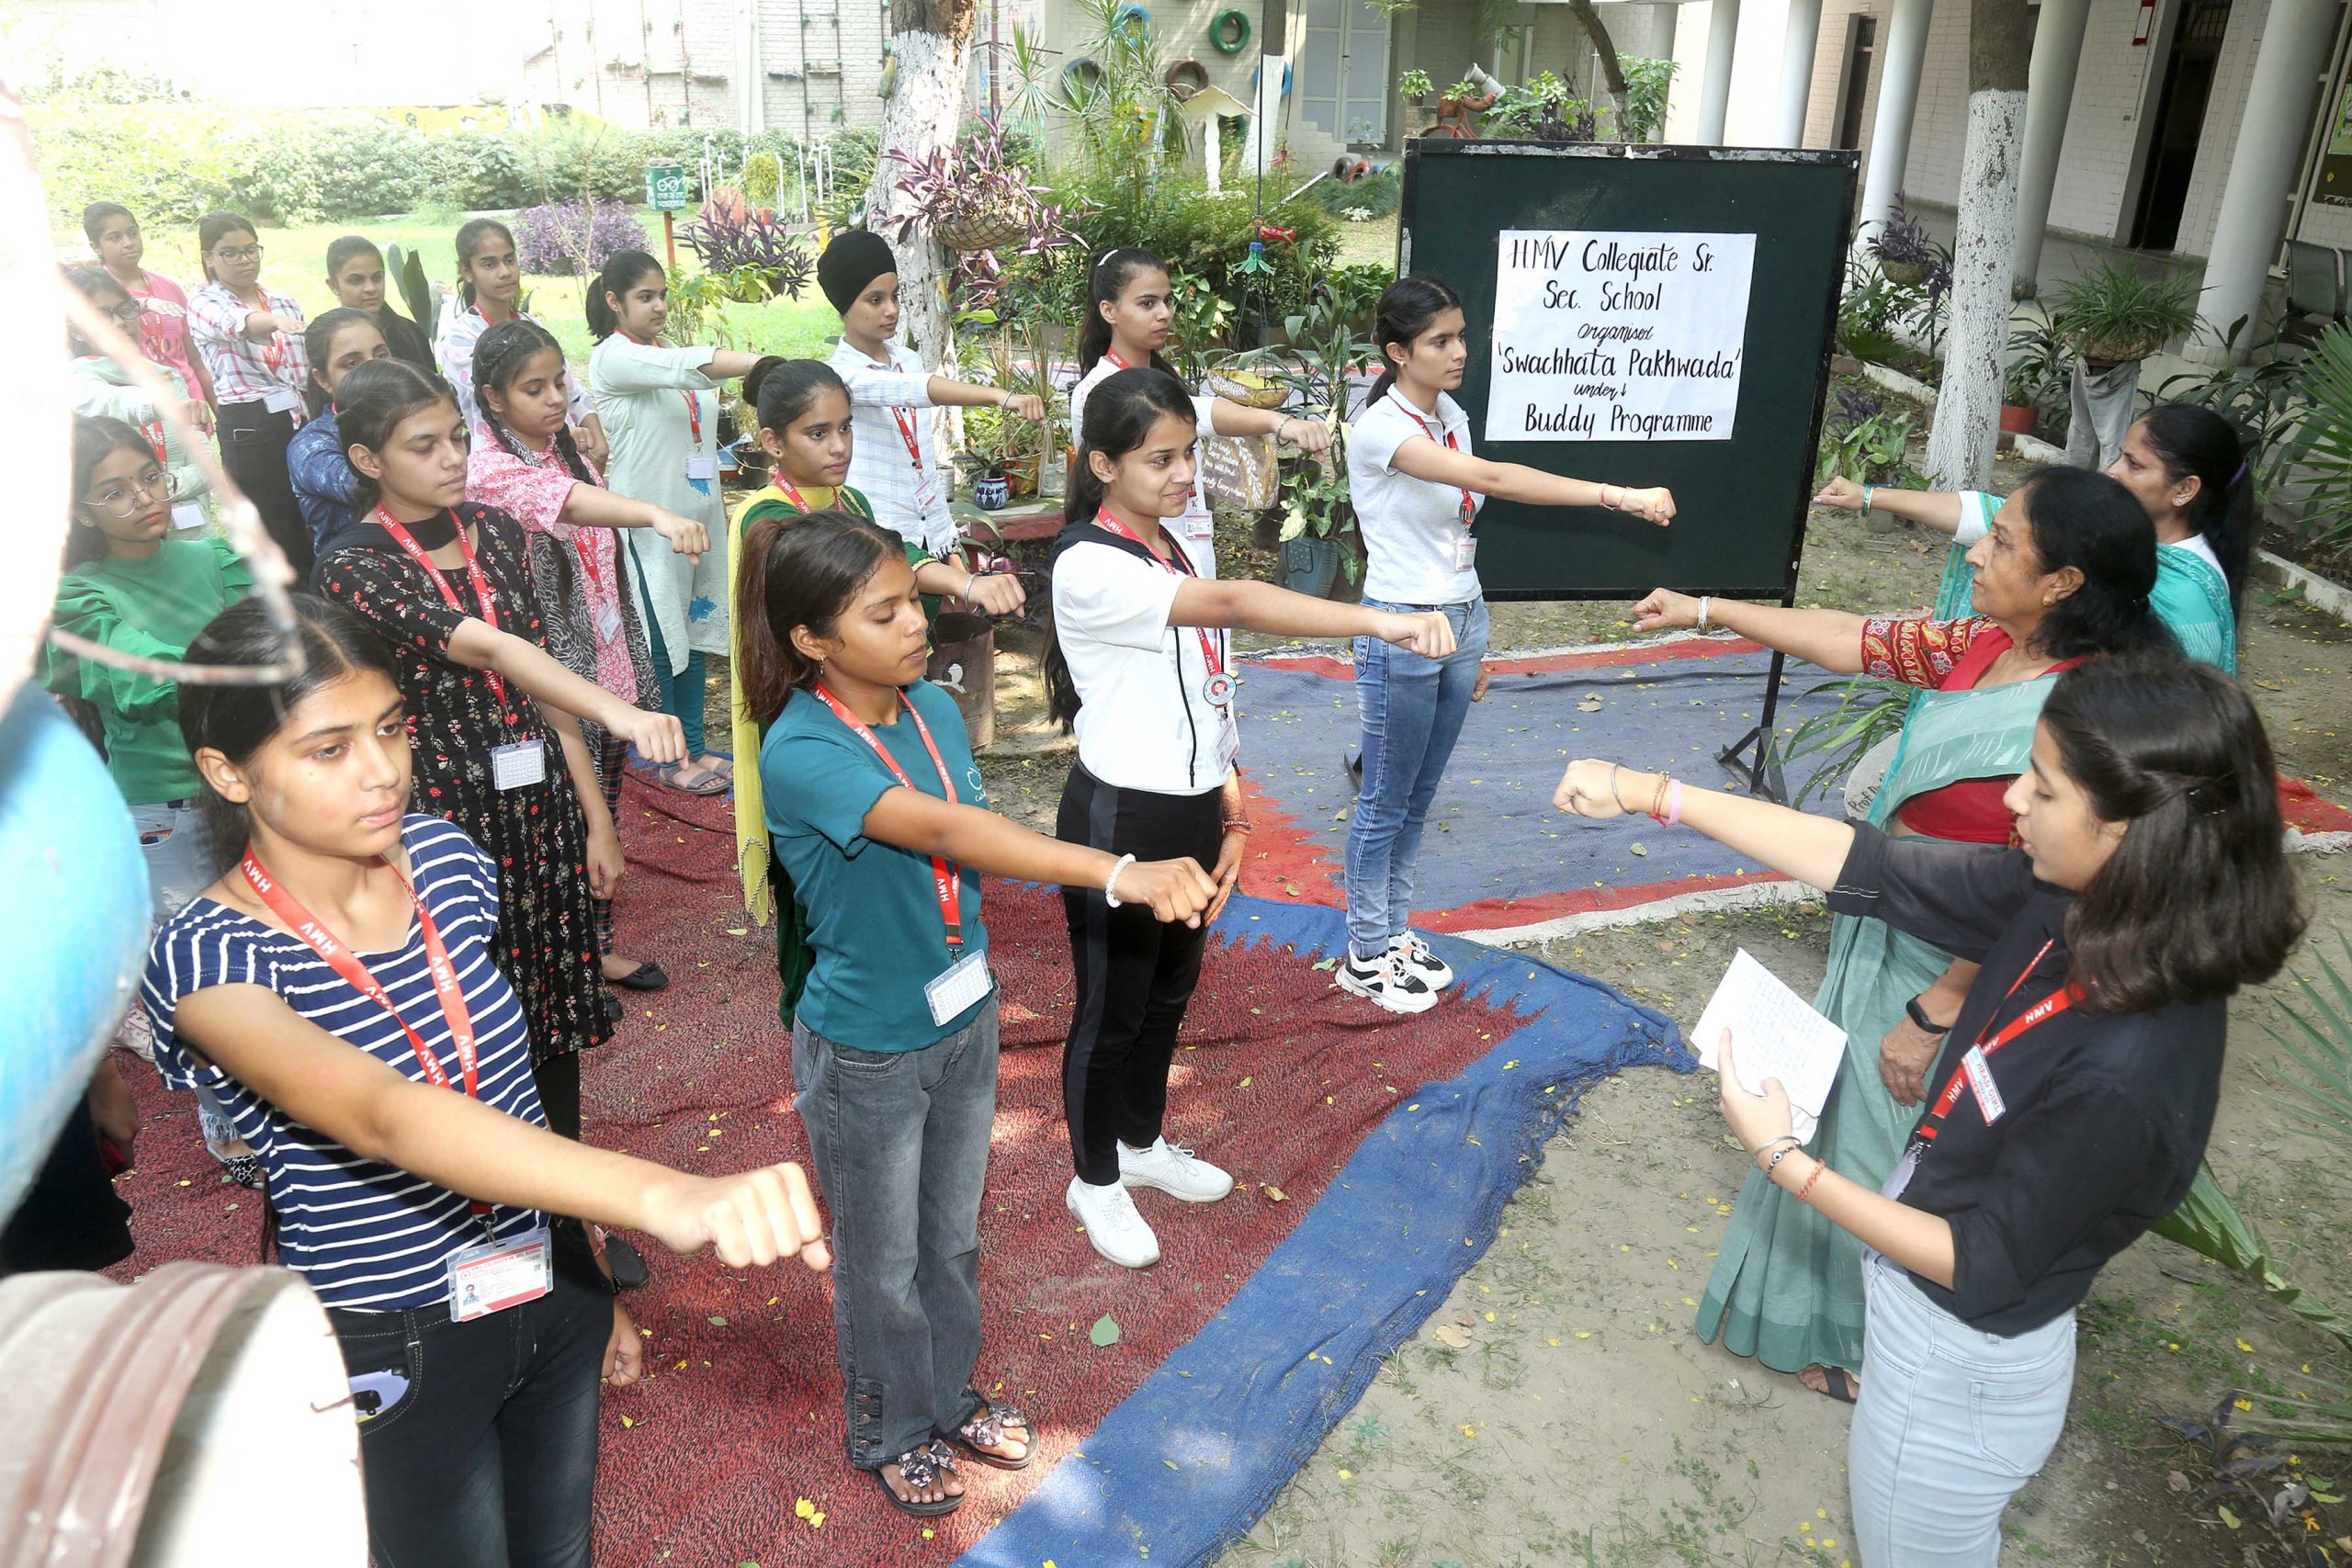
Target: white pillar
{"type": "Point", "coordinates": [1902, 58]}
{"type": "Point", "coordinates": [1714, 87]}
{"type": "Point", "coordinates": [2050, 91]}
{"type": "Point", "coordinates": [1662, 20]}
{"type": "Point", "coordinates": [1797, 46]}
{"type": "Point", "coordinates": [2264, 166]}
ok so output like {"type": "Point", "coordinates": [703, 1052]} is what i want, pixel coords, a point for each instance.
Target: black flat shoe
{"type": "Point", "coordinates": [614, 1011]}
{"type": "Point", "coordinates": [626, 1263]}
{"type": "Point", "coordinates": [645, 976]}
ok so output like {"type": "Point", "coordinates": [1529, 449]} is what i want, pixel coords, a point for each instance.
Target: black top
{"type": "Point", "coordinates": [2105, 1114]}
{"type": "Point", "coordinates": [405, 339]}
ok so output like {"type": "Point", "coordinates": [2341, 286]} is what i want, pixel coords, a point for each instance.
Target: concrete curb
{"type": "Point", "coordinates": [2317, 591]}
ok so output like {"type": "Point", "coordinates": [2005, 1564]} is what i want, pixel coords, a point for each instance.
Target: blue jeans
{"type": "Point", "coordinates": [901, 1143]}
{"type": "Point", "coordinates": [480, 1446]}
{"type": "Point", "coordinates": [1413, 710]}
{"type": "Point", "coordinates": [1951, 1423]}
{"type": "Point", "coordinates": [681, 695]}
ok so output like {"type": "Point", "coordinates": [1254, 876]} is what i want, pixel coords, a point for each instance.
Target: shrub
{"type": "Point", "coordinates": [565, 237]}
{"type": "Point", "coordinates": [1209, 235]}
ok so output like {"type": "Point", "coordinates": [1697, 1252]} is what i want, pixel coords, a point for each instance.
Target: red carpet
{"type": "Point", "coordinates": [730, 1450]}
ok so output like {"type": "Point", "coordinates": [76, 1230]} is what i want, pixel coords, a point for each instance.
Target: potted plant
{"type": "Point", "coordinates": [1463, 92]}
{"type": "Point", "coordinates": [2116, 316]}
{"type": "Point", "coordinates": [1906, 255]}
{"type": "Point", "coordinates": [970, 195]}
{"type": "Point", "coordinates": [1867, 440]}
{"type": "Point", "coordinates": [1415, 85]}
{"type": "Point", "coordinates": [756, 258]}
{"type": "Point", "coordinates": [2020, 410]}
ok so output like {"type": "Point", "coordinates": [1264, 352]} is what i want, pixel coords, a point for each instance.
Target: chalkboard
{"type": "Point", "coordinates": [1667, 316]}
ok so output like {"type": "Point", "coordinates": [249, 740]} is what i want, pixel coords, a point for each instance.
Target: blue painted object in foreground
{"type": "Point", "coordinates": [77, 898]}
{"type": "Point", "coordinates": [1184, 1466]}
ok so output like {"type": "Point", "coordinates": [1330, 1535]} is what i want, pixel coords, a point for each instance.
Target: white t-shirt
{"type": "Point", "coordinates": [1197, 528]}
{"type": "Point", "coordinates": [1144, 721]}
{"type": "Point", "coordinates": [1412, 529]}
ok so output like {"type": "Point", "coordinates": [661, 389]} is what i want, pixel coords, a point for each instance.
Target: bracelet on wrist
{"type": "Point", "coordinates": [1789, 1146]}
{"type": "Point", "coordinates": [1919, 1017]}
{"type": "Point", "coordinates": [1110, 883]}
{"type": "Point", "coordinates": [1805, 1193]}
{"type": "Point", "coordinates": [1231, 826]}
{"type": "Point", "coordinates": [1704, 601]}
{"type": "Point", "coordinates": [1614, 794]}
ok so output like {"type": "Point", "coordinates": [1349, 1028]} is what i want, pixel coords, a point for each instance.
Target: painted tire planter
{"type": "Point", "coordinates": [1257, 72]}
{"type": "Point", "coordinates": [1082, 76]}
{"type": "Point", "coordinates": [1185, 78]}
{"type": "Point", "coordinates": [1229, 31]}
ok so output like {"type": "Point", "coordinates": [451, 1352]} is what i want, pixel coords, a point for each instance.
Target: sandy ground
{"type": "Point", "coordinates": [1586, 1423]}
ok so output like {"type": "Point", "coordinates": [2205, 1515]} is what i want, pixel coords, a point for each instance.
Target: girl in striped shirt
{"type": "Point", "coordinates": [337, 989]}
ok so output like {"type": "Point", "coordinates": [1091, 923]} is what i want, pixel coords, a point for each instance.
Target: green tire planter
{"type": "Point", "coordinates": [1229, 31]}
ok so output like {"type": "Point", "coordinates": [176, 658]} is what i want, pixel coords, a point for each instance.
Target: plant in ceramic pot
{"type": "Point", "coordinates": [2116, 316]}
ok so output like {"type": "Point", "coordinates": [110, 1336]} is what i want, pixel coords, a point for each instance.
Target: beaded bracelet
{"type": "Point", "coordinates": [1805, 1193]}
{"type": "Point", "coordinates": [1241, 827]}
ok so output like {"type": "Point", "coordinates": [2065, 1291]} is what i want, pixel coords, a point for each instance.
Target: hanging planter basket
{"type": "Point", "coordinates": [1251, 385]}
{"type": "Point", "coordinates": [1904, 273]}
{"type": "Point", "coordinates": [2118, 350]}
{"type": "Point", "coordinates": [979, 231]}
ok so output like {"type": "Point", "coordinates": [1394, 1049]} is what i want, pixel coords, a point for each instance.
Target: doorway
{"type": "Point", "coordinates": [2171, 156]}
{"type": "Point", "coordinates": [1343, 78]}
{"type": "Point", "coordinates": [1854, 79]}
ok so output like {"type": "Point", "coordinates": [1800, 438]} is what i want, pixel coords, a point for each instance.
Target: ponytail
{"type": "Point", "coordinates": [1105, 284]}
{"type": "Point", "coordinates": [2187, 440]}
{"type": "Point", "coordinates": [1407, 308]}
{"type": "Point", "coordinates": [798, 572]}
{"type": "Point", "coordinates": [624, 270]}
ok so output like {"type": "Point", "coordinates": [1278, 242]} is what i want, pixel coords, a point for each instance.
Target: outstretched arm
{"type": "Point", "coordinates": [1938, 509]}
{"type": "Point", "coordinates": [1811, 848]}
{"type": "Point", "coordinates": [657, 736]}
{"type": "Point", "coordinates": [1426, 459]}
{"type": "Point", "coordinates": [1831, 639]}
{"type": "Point", "coordinates": [1176, 889]}
{"type": "Point", "coordinates": [1262, 607]}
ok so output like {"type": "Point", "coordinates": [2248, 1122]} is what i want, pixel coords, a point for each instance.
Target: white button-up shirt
{"type": "Point", "coordinates": [889, 400]}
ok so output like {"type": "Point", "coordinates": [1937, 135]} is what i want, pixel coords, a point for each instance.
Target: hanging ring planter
{"type": "Point", "coordinates": [1229, 31]}
{"type": "Point", "coordinates": [970, 232]}
{"type": "Point", "coordinates": [1134, 23]}
{"type": "Point", "coordinates": [1081, 77]}
{"type": "Point", "coordinates": [1259, 71]}
{"type": "Point", "coordinates": [1185, 78]}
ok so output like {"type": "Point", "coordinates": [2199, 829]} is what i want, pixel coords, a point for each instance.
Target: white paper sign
{"type": "Point", "coordinates": [1605, 335]}
{"type": "Point", "coordinates": [1774, 1034]}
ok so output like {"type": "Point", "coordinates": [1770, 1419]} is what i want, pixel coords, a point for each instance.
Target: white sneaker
{"type": "Point", "coordinates": [1420, 962]}
{"type": "Point", "coordinates": [1112, 1223]}
{"type": "Point", "coordinates": [1386, 982]}
{"type": "Point", "coordinates": [1175, 1170]}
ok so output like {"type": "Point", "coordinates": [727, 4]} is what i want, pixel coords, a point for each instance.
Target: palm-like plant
{"type": "Point", "coordinates": [2324, 440]}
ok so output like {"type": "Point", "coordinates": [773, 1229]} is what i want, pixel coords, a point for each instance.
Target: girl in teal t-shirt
{"type": "Point", "coordinates": [879, 813]}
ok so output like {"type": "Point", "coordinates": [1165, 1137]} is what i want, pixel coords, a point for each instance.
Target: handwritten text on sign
{"type": "Point", "coordinates": [1618, 336]}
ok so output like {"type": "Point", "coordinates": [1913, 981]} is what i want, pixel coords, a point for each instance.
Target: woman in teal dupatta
{"type": "Point", "coordinates": [2062, 573]}
{"type": "Point", "coordinates": [2185, 467]}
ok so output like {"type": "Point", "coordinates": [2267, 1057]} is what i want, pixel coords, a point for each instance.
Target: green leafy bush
{"type": "Point", "coordinates": [1177, 219]}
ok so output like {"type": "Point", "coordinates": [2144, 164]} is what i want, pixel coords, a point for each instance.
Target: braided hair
{"type": "Point", "coordinates": [500, 355]}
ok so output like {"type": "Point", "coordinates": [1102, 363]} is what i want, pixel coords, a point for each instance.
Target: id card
{"type": "Point", "coordinates": [1200, 525]}
{"type": "Point", "coordinates": [500, 1274]}
{"type": "Point", "coordinates": [518, 765]}
{"type": "Point", "coordinates": [1981, 1084]}
{"type": "Point", "coordinates": [187, 516]}
{"type": "Point", "coordinates": [703, 466]}
{"type": "Point", "coordinates": [607, 616]}
{"type": "Point", "coordinates": [285, 400]}
{"type": "Point", "coordinates": [956, 990]}
{"type": "Point", "coordinates": [1465, 552]}
{"type": "Point", "coordinates": [926, 493]}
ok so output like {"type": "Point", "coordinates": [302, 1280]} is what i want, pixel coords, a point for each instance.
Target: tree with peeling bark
{"type": "Point", "coordinates": [1612, 71]}
{"type": "Point", "coordinates": [1968, 405]}
{"type": "Point", "coordinates": [925, 105]}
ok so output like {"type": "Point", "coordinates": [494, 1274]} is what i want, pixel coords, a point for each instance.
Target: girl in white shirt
{"type": "Point", "coordinates": [1129, 308]}
{"type": "Point", "coordinates": [1138, 666]}
{"type": "Point", "coordinates": [1418, 491]}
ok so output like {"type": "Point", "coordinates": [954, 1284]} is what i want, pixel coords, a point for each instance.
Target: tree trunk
{"type": "Point", "coordinates": [1613, 74]}
{"type": "Point", "coordinates": [1960, 444]}
{"type": "Point", "coordinates": [924, 109]}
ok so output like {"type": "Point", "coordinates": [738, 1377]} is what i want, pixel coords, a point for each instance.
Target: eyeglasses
{"type": "Point", "coordinates": [242, 253]}
{"type": "Point", "coordinates": [128, 499]}
{"type": "Point", "coordinates": [127, 312]}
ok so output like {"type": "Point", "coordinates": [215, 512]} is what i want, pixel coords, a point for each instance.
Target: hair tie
{"type": "Point", "coordinates": [2244, 469]}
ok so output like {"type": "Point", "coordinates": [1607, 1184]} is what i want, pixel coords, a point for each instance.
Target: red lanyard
{"type": "Point", "coordinates": [905, 423]}
{"type": "Point", "coordinates": [792, 495]}
{"type": "Point", "coordinates": [1117, 362]}
{"type": "Point", "coordinates": [2040, 1012]}
{"type": "Point", "coordinates": [841, 501]}
{"type": "Point", "coordinates": [154, 430]}
{"type": "Point", "coordinates": [945, 874]}
{"type": "Point", "coordinates": [488, 612]}
{"type": "Point", "coordinates": [1469, 507]}
{"type": "Point", "coordinates": [694, 422]}
{"type": "Point", "coordinates": [1212, 658]}
{"type": "Point", "coordinates": [582, 546]}
{"type": "Point", "coordinates": [273, 352]}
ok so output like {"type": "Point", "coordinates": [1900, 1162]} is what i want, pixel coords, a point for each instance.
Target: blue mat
{"type": "Point", "coordinates": [1185, 1465]}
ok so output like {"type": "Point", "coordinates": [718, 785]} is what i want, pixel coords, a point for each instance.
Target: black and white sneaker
{"type": "Point", "coordinates": [1386, 982]}
{"type": "Point", "coordinates": [1424, 965]}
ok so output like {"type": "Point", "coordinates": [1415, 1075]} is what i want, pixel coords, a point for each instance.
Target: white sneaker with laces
{"type": "Point", "coordinates": [1175, 1170]}
{"type": "Point", "coordinates": [1385, 982]}
{"type": "Point", "coordinates": [1420, 962]}
{"type": "Point", "coordinates": [1112, 1223]}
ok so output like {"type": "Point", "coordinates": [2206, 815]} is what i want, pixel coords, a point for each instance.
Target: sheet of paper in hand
{"type": "Point", "coordinates": [1775, 1035]}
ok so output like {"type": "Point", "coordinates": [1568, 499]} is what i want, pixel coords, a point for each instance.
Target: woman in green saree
{"type": "Point", "coordinates": [2186, 467]}
{"type": "Point", "coordinates": [2062, 573]}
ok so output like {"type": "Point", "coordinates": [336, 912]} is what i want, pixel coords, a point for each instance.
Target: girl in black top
{"type": "Point", "coordinates": [356, 272]}
{"type": "Point", "coordinates": [2075, 1092]}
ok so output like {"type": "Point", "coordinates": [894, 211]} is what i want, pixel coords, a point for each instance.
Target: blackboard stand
{"type": "Point", "coordinates": [1762, 776]}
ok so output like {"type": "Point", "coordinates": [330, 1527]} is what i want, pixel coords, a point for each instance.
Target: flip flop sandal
{"type": "Point", "coordinates": [987, 1428]}
{"type": "Point", "coordinates": [1842, 1387]}
{"type": "Point", "coordinates": [668, 775]}
{"type": "Point", "coordinates": [647, 976]}
{"type": "Point", "coordinates": [920, 1470]}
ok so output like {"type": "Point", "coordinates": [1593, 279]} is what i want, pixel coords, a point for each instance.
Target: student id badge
{"type": "Point", "coordinates": [1466, 551]}
{"type": "Point", "coordinates": [187, 516]}
{"type": "Point", "coordinates": [500, 1274]}
{"type": "Point", "coordinates": [702, 466]}
{"type": "Point", "coordinates": [958, 988]}
{"type": "Point", "coordinates": [926, 493]}
{"type": "Point", "coordinates": [608, 620]}
{"type": "Point", "coordinates": [518, 765]}
{"type": "Point", "coordinates": [1201, 524]}
{"type": "Point", "coordinates": [1981, 1084]}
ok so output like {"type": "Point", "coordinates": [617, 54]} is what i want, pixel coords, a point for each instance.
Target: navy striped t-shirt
{"type": "Point", "coordinates": [361, 1233]}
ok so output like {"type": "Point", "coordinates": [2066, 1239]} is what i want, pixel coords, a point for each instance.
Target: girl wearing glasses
{"type": "Point", "coordinates": [102, 388]}
{"type": "Point", "coordinates": [129, 585]}
{"type": "Point", "coordinates": [250, 338]}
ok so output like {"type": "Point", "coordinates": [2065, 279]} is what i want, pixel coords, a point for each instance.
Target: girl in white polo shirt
{"type": "Point", "coordinates": [1418, 491]}
{"type": "Point", "coordinates": [1129, 308]}
{"type": "Point", "coordinates": [1138, 667]}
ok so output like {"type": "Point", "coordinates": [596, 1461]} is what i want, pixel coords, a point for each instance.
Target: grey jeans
{"type": "Point", "coordinates": [900, 1140]}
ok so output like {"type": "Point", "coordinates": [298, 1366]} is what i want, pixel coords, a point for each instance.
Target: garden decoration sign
{"type": "Point", "coordinates": [1621, 336]}
{"type": "Point", "coordinates": [1640, 315]}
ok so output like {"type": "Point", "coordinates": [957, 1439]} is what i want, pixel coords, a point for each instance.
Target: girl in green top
{"type": "Point", "coordinates": [130, 587]}
{"type": "Point", "coordinates": [102, 388]}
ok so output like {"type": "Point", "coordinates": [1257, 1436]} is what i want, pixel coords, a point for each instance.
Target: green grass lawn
{"type": "Point", "coordinates": [295, 260]}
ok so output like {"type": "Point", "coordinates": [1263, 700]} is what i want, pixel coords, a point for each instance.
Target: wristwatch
{"type": "Point", "coordinates": [1920, 1018]}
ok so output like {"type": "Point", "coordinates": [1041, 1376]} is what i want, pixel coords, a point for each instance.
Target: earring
{"type": "Point", "coordinates": [2047, 600]}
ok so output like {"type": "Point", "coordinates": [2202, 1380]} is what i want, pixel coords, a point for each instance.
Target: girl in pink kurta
{"type": "Point", "coordinates": [163, 326]}
{"type": "Point", "coordinates": [525, 463]}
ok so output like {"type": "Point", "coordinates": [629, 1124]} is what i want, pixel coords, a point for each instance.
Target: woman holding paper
{"type": "Point", "coordinates": [2186, 467]}
{"type": "Point", "coordinates": [2062, 576]}
{"type": "Point", "coordinates": [1418, 491]}
{"type": "Point", "coordinates": [2149, 884]}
